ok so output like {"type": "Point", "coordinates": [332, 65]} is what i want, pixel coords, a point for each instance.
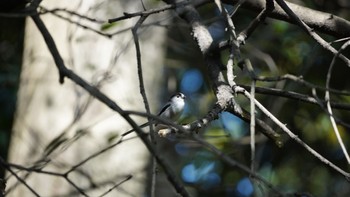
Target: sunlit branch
{"type": "Point", "coordinates": [327, 99]}
{"type": "Point", "coordinates": [252, 122]}
{"type": "Point", "coordinates": [300, 80]}
{"type": "Point", "coordinates": [295, 96]}
{"type": "Point", "coordinates": [309, 31]}
{"type": "Point", "coordinates": [292, 135]}
{"type": "Point", "coordinates": [320, 21]}
{"type": "Point", "coordinates": [234, 50]}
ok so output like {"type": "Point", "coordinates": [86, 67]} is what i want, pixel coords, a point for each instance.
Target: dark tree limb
{"type": "Point", "coordinates": [223, 91]}
{"type": "Point", "coordinates": [310, 31]}
{"type": "Point", "coordinates": [243, 35]}
{"type": "Point", "coordinates": [320, 21]}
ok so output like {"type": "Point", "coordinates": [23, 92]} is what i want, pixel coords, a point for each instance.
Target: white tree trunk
{"type": "Point", "coordinates": [46, 109]}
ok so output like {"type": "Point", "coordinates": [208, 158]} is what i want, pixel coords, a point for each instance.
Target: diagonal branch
{"type": "Point", "coordinates": [292, 135]}
{"type": "Point", "coordinates": [327, 99]}
{"type": "Point", "coordinates": [320, 21]}
{"type": "Point", "coordinates": [233, 163]}
{"type": "Point", "coordinates": [295, 96]}
{"type": "Point", "coordinates": [255, 23]}
{"type": "Point", "coordinates": [3, 164]}
{"type": "Point", "coordinates": [65, 72]}
{"type": "Point", "coordinates": [309, 31]}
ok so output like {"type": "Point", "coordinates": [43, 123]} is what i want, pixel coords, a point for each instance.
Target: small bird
{"type": "Point", "coordinates": [171, 110]}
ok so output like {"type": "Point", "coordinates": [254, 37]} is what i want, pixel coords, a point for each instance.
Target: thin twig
{"type": "Point", "coordinates": [44, 10]}
{"type": "Point", "coordinates": [116, 185]}
{"type": "Point", "coordinates": [81, 191]}
{"type": "Point", "coordinates": [65, 72]}
{"type": "Point", "coordinates": [139, 70]}
{"type": "Point", "coordinates": [144, 96]}
{"type": "Point", "coordinates": [252, 126]}
{"type": "Point", "coordinates": [233, 163]}
{"type": "Point", "coordinates": [300, 80]}
{"type": "Point", "coordinates": [143, 5]}
{"type": "Point", "coordinates": [242, 37]}
{"type": "Point", "coordinates": [149, 12]}
{"type": "Point", "coordinates": [238, 5]}
{"type": "Point", "coordinates": [3, 163]}
{"type": "Point", "coordinates": [327, 98]}
{"type": "Point", "coordinates": [309, 31]}
{"type": "Point", "coordinates": [235, 44]}
{"type": "Point", "coordinates": [79, 24]}
{"type": "Point", "coordinates": [295, 96]}
{"type": "Point", "coordinates": [292, 135]}
{"type": "Point", "coordinates": [323, 106]}
{"type": "Point", "coordinates": [234, 50]}
{"type": "Point", "coordinates": [252, 113]}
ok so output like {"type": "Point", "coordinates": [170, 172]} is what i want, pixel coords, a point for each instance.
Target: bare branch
{"type": "Point", "coordinates": [222, 90]}
{"type": "Point", "coordinates": [292, 135]}
{"type": "Point", "coordinates": [116, 185]}
{"type": "Point", "coordinates": [252, 120]}
{"type": "Point", "coordinates": [44, 10]}
{"type": "Point", "coordinates": [255, 23]}
{"type": "Point", "coordinates": [300, 80]}
{"type": "Point", "coordinates": [65, 72]}
{"type": "Point", "coordinates": [320, 21]}
{"type": "Point", "coordinates": [143, 94]}
{"type": "Point", "coordinates": [231, 162]}
{"type": "Point", "coordinates": [313, 34]}
{"type": "Point", "coordinates": [327, 99]}
{"type": "Point", "coordinates": [295, 96]}
{"type": "Point", "coordinates": [3, 164]}
{"type": "Point", "coordinates": [149, 12]}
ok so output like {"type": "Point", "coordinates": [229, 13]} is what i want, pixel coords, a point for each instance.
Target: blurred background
{"type": "Point", "coordinates": [275, 48]}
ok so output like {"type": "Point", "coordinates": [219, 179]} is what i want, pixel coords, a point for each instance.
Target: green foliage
{"type": "Point", "coordinates": [108, 26]}
{"type": "Point", "coordinates": [291, 168]}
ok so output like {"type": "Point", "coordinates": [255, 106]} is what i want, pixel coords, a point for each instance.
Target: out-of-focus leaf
{"type": "Point", "coordinates": [108, 26]}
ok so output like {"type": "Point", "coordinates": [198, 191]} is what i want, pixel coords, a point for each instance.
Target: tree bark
{"type": "Point", "coordinates": [65, 114]}
{"type": "Point", "coordinates": [321, 21]}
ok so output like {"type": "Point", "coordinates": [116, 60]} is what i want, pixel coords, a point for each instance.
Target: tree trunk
{"type": "Point", "coordinates": [57, 126]}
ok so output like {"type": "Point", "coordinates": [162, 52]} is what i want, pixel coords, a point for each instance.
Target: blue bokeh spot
{"type": "Point", "coordinates": [233, 124]}
{"type": "Point", "coordinates": [192, 81]}
{"type": "Point", "coordinates": [245, 187]}
{"type": "Point", "coordinates": [189, 174]}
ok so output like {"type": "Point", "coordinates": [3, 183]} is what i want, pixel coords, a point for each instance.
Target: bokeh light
{"type": "Point", "coordinates": [204, 175]}
{"type": "Point", "coordinates": [245, 187]}
{"type": "Point", "coordinates": [191, 81]}
{"type": "Point", "coordinates": [233, 125]}
{"type": "Point", "coordinates": [189, 174]}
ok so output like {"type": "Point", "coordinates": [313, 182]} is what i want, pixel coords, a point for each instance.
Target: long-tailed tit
{"type": "Point", "coordinates": [171, 110]}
